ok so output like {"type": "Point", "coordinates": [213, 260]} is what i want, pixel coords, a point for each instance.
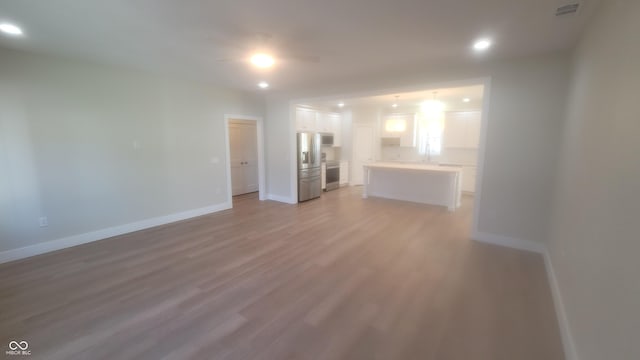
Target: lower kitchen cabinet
{"type": "Point", "coordinates": [469, 179]}
{"type": "Point", "coordinates": [344, 172]}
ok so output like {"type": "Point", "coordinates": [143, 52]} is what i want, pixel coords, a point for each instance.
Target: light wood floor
{"type": "Point", "coordinates": [336, 278]}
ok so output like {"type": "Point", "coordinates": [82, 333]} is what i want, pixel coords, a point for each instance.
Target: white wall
{"type": "Point", "coordinates": [66, 146]}
{"type": "Point", "coordinates": [525, 120]}
{"type": "Point", "coordinates": [368, 116]}
{"type": "Point", "coordinates": [346, 135]}
{"type": "Point", "coordinates": [595, 241]}
{"type": "Point", "coordinates": [279, 128]}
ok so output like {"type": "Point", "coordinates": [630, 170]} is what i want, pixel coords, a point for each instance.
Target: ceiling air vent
{"type": "Point", "coordinates": [567, 9]}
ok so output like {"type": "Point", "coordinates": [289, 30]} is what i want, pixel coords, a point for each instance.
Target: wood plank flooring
{"type": "Point", "coordinates": [340, 277]}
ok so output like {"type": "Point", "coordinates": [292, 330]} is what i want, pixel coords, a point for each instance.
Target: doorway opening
{"type": "Point", "coordinates": [245, 165]}
{"type": "Point", "coordinates": [431, 126]}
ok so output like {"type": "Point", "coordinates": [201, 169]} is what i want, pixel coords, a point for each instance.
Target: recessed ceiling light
{"type": "Point", "coordinates": [341, 104]}
{"type": "Point", "coordinates": [466, 100]}
{"type": "Point", "coordinates": [262, 60]}
{"type": "Point", "coordinates": [482, 44]}
{"type": "Point", "coordinates": [10, 29]}
{"type": "Point", "coordinates": [395, 104]}
{"type": "Point", "coordinates": [263, 84]}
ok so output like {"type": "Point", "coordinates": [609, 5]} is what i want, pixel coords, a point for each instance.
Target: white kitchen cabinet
{"type": "Point", "coordinates": [330, 123]}
{"type": "Point", "coordinates": [462, 129]}
{"type": "Point", "coordinates": [306, 120]}
{"type": "Point", "coordinates": [324, 123]}
{"type": "Point", "coordinates": [317, 121]}
{"type": "Point", "coordinates": [336, 128]}
{"type": "Point", "coordinates": [421, 183]}
{"type": "Point", "coordinates": [344, 173]}
{"type": "Point", "coordinates": [469, 179]}
{"type": "Point", "coordinates": [400, 126]}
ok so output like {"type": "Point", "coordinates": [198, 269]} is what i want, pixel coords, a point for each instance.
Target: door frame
{"type": "Point", "coordinates": [260, 139]}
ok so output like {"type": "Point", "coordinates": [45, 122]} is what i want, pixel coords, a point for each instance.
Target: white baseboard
{"type": "Point", "coordinates": [570, 352]}
{"type": "Point", "coordinates": [282, 199]}
{"type": "Point", "coordinates": [563, 322]}
{"type": "Point", "coordinates": [501, 240]}
{"type": "Point", "coordinates": [53, 245]}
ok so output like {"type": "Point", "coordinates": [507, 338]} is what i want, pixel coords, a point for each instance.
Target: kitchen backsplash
{"type": "Point", "coordinates": [453, 156]}
{"type": "Point", "coordinates": [333, 153]}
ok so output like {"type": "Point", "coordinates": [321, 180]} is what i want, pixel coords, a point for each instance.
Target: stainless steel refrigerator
{"type": "Point", "coordinates": [309, 159]}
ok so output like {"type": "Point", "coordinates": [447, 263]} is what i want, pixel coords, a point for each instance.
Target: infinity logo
{"type": "Point", "coordinates": [22, 345]}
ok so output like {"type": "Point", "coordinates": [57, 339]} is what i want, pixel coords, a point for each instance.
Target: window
{"type": "Point", "coordinates": [430, 128]}
{"type": "Point", "coordinates": [395, 124]}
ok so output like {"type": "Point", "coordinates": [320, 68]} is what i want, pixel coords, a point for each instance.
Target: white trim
{"type": "Point", "coordinates": [484, 125]}
{"type": "Point", "coordinates": [282, 199]}
{"type": "Point", "coordinates": [58, 244]}
{"type": "Point", "coordinates": [262, 190]}
{"type": "Point", "coordinates": [227, 146]}
{"type": "Point", "coordinates": [293, 148]}
{"type": "Point", "coordinates": [501, 240]}
{"type": "Point", "coordinates": [570, 352]}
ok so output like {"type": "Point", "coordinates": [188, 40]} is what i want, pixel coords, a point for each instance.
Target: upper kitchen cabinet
{"type": "Point", "coordinates": [324, 124]}
{"type": "Point", "coordinates": [335, 124]}
{"type": "Point", "coordinates": [462, 129]}
{"type": "Point", "coordinates": [399, 126]}
{"type": "Point", "coordinates": [320, 121]}
{"type": "Point", "coordinates": [306, 120]}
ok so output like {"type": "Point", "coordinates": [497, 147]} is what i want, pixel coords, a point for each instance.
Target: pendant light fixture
{"type": "Point", "coordinates": [433, 108]}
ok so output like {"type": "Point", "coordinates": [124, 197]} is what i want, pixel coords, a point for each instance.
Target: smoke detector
{"type": "Point", "coordinates": [568, 8]}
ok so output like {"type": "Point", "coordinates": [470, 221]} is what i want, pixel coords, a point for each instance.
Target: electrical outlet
{"type": "Point", "coordinates": [43, 221]}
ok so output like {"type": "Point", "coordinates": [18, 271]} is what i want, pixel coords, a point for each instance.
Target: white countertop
{"type": "Point", "coordinates": [414, 167]}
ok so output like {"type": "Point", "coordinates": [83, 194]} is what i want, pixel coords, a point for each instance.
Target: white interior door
{"type": "Point", "coordinates": [363, 152]}
{"type": "Point", "coordinates": [251, 157]}
{"type": "Point", "coordinates": [243, 154]}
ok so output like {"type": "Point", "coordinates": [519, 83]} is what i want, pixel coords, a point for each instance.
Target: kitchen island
{"type": "Point", "coordinates": [415, 182]}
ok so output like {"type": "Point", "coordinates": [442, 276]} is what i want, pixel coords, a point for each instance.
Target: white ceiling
{"type": "Point", "coordinates": [410, 101]}
{"type": "Point", "coordinates": [350, 37]}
